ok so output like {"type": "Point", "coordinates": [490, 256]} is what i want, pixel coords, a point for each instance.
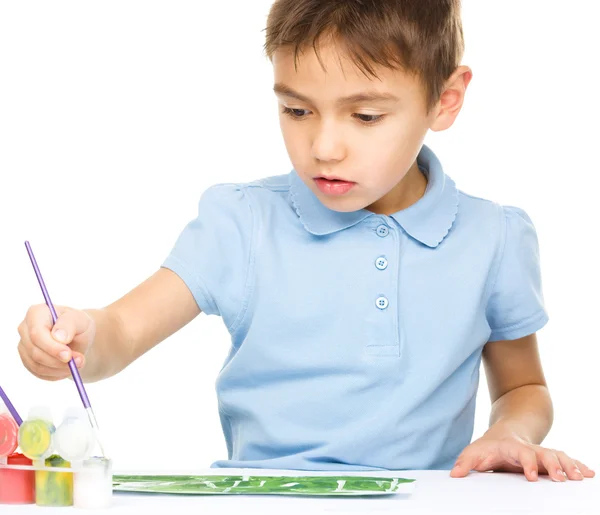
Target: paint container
{"type": "Point", "coordinates": [16, 486]}
{"type": "Point", "coordinates": [36, 434]}
{"type": "Point", "coordinates": [53, 488]}
{"type": "Point", "coordinates": [74, 438]}
{"type": "Point", "coordinates": [9, 435]}
{"type": "Point", "coordinates": [92, 487]}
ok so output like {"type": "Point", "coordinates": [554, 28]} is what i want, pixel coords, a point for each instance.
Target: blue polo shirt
{"type": "Point", "coordinates": [356, 338]}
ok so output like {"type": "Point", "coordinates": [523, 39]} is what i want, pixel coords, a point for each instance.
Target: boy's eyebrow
{"type": "Point", "coordinates": [365, 96]}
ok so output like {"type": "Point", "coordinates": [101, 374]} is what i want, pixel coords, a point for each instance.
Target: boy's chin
{"type": "Point", "coordinates": [343, 203]}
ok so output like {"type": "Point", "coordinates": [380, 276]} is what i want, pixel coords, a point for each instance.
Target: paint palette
{"type": "Point", "coordinates": [55, 466]}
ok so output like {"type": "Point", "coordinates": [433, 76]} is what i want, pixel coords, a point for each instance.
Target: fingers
{"type": "Point", "coordinates": [585, 470]}
{"type": "Point", "coordinates": [552, 464]}
{"type": "Point", "coordinates": [42, 354]}
{"type": "Point", "coordinates": [41, 371]}
{"type": "Point", "coordinates": [574, 469]}
{"type": "Point", "coordinates": [39, 316]}
{"type": "Point", "coordinates": [528, 460]}
{"type": "Point", "coordinates": [44, 366]}
{"type": "Point", "coordinates": [35, 333]}
{"type": "Point", "coordinates": [70, 324]}
{"type": "Point", "coordinates": [466, 462]}
{"type": "Point", "coordinates": [509, 455]}
{"type": "Point", "coordinates": [560, 467]}
{"type": "Point", "coordinates": [569, 466]}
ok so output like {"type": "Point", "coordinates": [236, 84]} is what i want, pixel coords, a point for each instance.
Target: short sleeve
{"type": "Point", "coordinates": [516, 304]}
{"type": "Point", "coordinates": [212, 253]}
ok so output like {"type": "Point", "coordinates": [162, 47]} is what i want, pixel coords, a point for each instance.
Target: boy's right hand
{"type": "Point", "coordinates": [45, 349]}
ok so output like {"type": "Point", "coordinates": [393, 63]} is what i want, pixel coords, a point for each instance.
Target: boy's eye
{"type": "Point", "coordinates": [365, 119]}
{"type": "Point", "coordinates": [368, 118]}
{"type": "Point", "coordinates": [295, 113]}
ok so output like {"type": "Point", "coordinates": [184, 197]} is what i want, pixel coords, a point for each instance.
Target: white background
{"type": "Point", "coordinates": [115, 116]}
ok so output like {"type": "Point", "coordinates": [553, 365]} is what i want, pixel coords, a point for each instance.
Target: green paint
{"type": "Point", "coordinates": [263, 485]}
{"type": "Point", "coordinates": [54, 488]}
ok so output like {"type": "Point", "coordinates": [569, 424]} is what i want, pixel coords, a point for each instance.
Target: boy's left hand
{"type": "Point", "coordinates": [511, 453]}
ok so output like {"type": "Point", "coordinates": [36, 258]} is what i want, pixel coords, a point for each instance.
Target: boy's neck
{"type": "Point", "coordinates": [408, 191]}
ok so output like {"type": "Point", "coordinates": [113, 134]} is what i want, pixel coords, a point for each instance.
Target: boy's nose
{"type": "Point", "coordinates": [328, 145]}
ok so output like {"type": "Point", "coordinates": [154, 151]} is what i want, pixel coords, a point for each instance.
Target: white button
{"type": "Point", "coordinates": [381, 263]}
{"type": "Point", "coordinates": [382, 303]}
{"type": "Point", "coordinates": [382, 231]}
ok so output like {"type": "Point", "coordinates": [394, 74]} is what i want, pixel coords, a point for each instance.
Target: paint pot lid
{"type": "Point", "coordinates": [9, 420]}
{"type": "Point", "coordinates": [74, 439]}
{"type": "Point", "coordinates": [75, 412]}
{"type": "Point", "coordinates": [7, 416]}
{"type": "Point", "coordinates": [9, 434]}
{"type": "Point", "coordinates": [40, 413]}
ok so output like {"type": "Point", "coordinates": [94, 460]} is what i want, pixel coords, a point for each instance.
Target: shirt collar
{"type": "Point", "coordinates": [429, 220]}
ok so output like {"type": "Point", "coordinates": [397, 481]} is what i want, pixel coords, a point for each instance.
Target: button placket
{"type": "Point", "coordinates": [381, 263]}
{"type": "Point", "coordinates": [385, 343]}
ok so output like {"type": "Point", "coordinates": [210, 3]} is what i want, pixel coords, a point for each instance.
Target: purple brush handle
{"type": "Point", "coordinates": [72, 365]}
{"type": "Point", "coordinates": [10, 407]}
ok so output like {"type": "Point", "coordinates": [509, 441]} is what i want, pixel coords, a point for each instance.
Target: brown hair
{"type": "Point", "coordinates": [421, 37]}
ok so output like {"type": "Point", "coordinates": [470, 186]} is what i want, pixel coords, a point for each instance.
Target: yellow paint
{"type": "Point", "coordinates": [35, 438]}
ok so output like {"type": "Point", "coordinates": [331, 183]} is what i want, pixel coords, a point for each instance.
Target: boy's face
{"type": "Point", "coordinates": [339, 123]}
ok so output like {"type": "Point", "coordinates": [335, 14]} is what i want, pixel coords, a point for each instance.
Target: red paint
{"type": "Point", "coordinates": [17, 486]}
{"type": "Point", "coordinates": [9, 435]}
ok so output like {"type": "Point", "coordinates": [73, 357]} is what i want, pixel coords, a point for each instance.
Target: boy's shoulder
{"type": "Point", "coordinates": [275, 184]}
{"type": "Point", "coordinates": [482, 206]}
{"type": "Point", "coordinates": [488, 218]}
{"type": "Point", "coordinates": [476, 202]}
{"type": "Point", "coordinates": [243, 199]}
{"type": "Point", "coordinates": [477, 207]}
{"type": "Point", "coordinates": [264, 190]}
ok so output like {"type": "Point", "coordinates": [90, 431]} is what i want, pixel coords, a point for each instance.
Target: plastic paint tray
{"type": "Point", "coordinates": [85, 485]}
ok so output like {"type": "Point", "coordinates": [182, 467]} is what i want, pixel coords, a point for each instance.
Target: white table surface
{"type": "Point", "coordinates": [434, 492]}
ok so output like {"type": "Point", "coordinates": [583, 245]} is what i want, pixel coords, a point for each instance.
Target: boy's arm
{"type": "Point", "coordinates": [521, 417]}
{"type": "Point", "coordinates": [521, 403]}
{"type": "Point", "coordinates": [132, 325]}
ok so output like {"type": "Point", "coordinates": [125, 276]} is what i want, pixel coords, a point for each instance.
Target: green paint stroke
{"type": "Point", "coordinates": [54, 488]}
{"type": "Point", "coordinates": [262, 485]}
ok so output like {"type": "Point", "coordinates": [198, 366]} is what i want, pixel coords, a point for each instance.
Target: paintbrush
{"type": "Point", "coordinates": [10, 407]}
{"type": "Point", "coordinates": [72, 365]}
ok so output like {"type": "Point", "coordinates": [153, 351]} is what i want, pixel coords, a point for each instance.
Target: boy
{"type": "Point", "coordinates": [361, 290]}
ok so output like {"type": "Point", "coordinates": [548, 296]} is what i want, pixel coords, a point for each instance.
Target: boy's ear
{"type": "Point", "coordinates": [451, 99]}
